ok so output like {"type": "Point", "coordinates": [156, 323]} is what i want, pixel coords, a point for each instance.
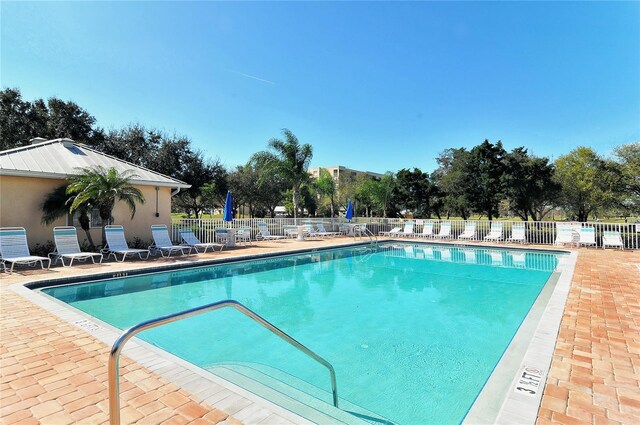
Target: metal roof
{"type": "Point", "coordinates": [59, 158]}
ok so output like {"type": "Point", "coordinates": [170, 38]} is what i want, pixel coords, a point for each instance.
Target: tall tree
{"type": "Point", "coordinates": [15, 126]}
{"type": "Point", "coordinates": [269, 191]}
{"type": "Point", "coordinates": [629, 164]}
{"type": "Point", "coordinates": [529, 185]}
{"type": "Point", "coordinates": [347, 187]}
{"type": "Point", "coordinates": [177, 159]}
{"type": "Point", "coordinates": [290, 160]}
{"type": "Point", "coordinates": [587, 182]}
{"type": "Point", "coordinates": [102, 188]}
{"type": "Point", "coordinates": [377, 194]}
{"type": "Point", "coordinates": [243, 183]}
{"type": "Point", "coordinates": [326, 186]}
{"type": "Point", "coordinates": [451, 182]}
{"type": "Point", "coordinates": [384, 191]}
{"type": "Point", "coordinates": [133, 143]}
{"type": "Point", "coordinates": [365, 188]}
{"type": "Point", "coordinates": [21, 120]}
{"type": "Point", "coordinates": [484, 178]}
{"type": "Point", "coordinates": [67, 119]}
{"type": "Point", "coordinates": [412, 192]}
{"type": "Point", "coordinates": [308, 200]}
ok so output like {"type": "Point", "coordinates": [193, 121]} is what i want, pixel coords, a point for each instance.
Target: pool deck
{"type": "Point", "coordinates": [53, 371]}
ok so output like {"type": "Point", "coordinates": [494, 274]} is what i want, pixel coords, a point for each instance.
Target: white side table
{"type": "Point", "coordinates": [231, 238]}
{"type": "Point", "coordinates": [301, 232]}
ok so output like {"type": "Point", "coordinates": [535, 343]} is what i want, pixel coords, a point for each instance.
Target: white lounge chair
{"type": "Point", "coordinates": [117, 244]}
{"type": "Point", "coordinates": [344, 228]}
{"type": "Point", "coordinates": [495, 234]}
{"type": "Point", "coordinates": [393, 232]}
{"type": "Point", "coordinates": [587, 236]}
{"type": "Point", "coordinates": [360, 230]}
{"type": "Point", "coordinates": [566, 235]}
{"type": "Point", "coordinates": [310, 231]}
{"type": "Point", "coordinates": [222, 235]}
{"type": "Point", "coordinates": [243, 235]}
{"type": "Point", "coordinates": [162, 242]}
{"type": "Point", "coordinates": [264, 234]}
{"type": "Point", "coordinates": [290, 231]}
{"type": "Point", "coordinates": [407, 231]}
{"type": "Point", "coordinates": [469, 231]}
{"type": "Point", "coordinates": [15, 250]}
{"type": "Point", "coordinates": [427, 231]}
{"type": "Point", "coordinates": [612, 239]}
{"type": "Point", "coordinates": [445, 230]}
{"type": "Point", "coordinates": [67, 246]}
{"type": "Point", "coordinates": [518, 233]}
{"type": "Point", "coordinates": [191, 240]}
{"type": "Point", "coordinates": [323, 230]}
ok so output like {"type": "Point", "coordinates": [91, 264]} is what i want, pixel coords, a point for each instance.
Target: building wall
{"type": "Point", "coordinates": [336, 171]}
{"type": "Point", "coordinates": [20, 202]}
{"type": "Point", "coordinates": [22, 197]}
{"type": "Point", "coordinates": [140, 226]}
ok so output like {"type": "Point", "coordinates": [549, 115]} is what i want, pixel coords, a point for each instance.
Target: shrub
{"type": "Point", "coordinates": [42, 250]}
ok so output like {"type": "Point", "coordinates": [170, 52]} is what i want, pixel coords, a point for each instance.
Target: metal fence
{"type": "Point", "coordinates": [536, 232]}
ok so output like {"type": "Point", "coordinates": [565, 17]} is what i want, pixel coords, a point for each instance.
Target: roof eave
{"type": "Point", "coordinates": [61, 176]}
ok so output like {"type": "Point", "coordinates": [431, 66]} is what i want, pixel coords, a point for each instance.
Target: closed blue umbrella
{"type": "Point", "coordinates": [349, 214]}
{"type": "Point", "coordinates": [228, 208]}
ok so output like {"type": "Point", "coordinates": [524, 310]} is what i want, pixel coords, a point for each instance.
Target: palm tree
{"type": "Point", "coordinates": [58, 203]}
{"type": "Point", "coordinates": [327, 186]}
{"type": "Point", "coordinates": [289, 160]}
{"type": "Point", "coordinates": [102, 187]}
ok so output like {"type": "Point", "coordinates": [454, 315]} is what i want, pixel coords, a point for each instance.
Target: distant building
{"type": "Point", "coordinates": [338, 170]}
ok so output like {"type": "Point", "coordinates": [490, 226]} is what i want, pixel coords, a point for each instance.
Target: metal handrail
{"type": "Point", "coordinates": [114, 357]}
{"type": "Point", "coordinates": [372, 236]}
{"type": "Point", "coordinates": [362, 228]}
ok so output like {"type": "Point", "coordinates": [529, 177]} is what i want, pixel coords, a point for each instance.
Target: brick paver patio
{"type": "Point", "coordinates": [595, 373]}
{"type": "Point", "coordinates": [53, 372]}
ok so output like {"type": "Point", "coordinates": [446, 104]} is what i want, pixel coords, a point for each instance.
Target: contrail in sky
{"type": "Point", "coordinates": [253, 77]}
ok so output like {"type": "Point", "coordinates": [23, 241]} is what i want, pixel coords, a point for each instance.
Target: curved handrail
{"type": "Point", "coordinates": [114, 356]}
{"type": "Point", "coordinates": [363, 229]}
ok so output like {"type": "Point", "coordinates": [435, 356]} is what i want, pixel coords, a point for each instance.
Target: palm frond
{"type": "Point", "coordinates": [55, 205]}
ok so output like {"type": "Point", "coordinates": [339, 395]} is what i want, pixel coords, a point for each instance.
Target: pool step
{"type": "Point", "coordinates": [317, 394]}
{"type": "Point", "coordinates": [295, 394]}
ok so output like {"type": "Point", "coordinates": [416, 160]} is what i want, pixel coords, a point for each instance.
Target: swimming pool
{"type": "Point", "coordinates": [413, 330]}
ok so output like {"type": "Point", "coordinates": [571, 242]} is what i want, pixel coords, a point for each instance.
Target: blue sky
{"type": "Point", "coordinates": [374, 86]}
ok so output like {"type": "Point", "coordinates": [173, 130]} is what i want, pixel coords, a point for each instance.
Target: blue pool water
{"type": "Point", "coordinates": [413, 330]}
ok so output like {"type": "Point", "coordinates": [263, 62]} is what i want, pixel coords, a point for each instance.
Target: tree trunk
{"type": "Point", "coordinates": [105, 216]}
{"type": "Point", "coordinates": [85, 224]}
{"type": "Point", "coordinates": [295, 203]}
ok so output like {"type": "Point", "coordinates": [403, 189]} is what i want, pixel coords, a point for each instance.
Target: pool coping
{"type": "Point", "coordinates": [519, 407]}
{"type": "Point", "coordinates": [515, 408]}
